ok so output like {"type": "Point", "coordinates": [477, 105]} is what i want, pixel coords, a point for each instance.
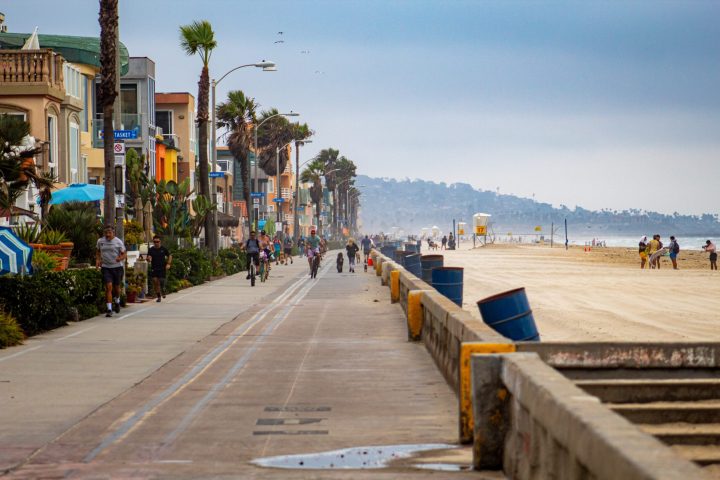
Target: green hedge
{"type": "Point", "coordinates": [47, 300]}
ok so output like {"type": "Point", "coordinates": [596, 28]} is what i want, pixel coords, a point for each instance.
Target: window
{"type": "Point", "coordinates": [83, 175]}
{"type": "Point", "coordinates": [86, 103]}
{"type": "Point", "coordinates": [72, 80]}
{"type": "Point", "coordinates": [270, 185]}
{"type": "Point", "coordinates": [164, 120]}
{"type": "Point", "coordinates": [13, 113]}
{"type": "Point", "coordinates": [74, 152]}
{"type": "Point", "coordinates": [192, 129]}
{"type": "Point", "coordinates": [53, 143]}
{"type": "Point", "coordinates": [151, 101]}
{"type": "Point", "coordinates": [223, 165]}
{"type": "Point", "coordinates": [128, 98]}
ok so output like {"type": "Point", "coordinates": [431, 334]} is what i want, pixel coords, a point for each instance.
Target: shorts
{"type": "Point", "coordinates": [713, 257]}
{"type": "Point", "coordinates": [157, 273]}
{"type": "Point", "coordinates": [312, 252]}
{"type": "Point", "coordinates": [673, 255]}
{"type": "Point", "coordinates": [288, 251]}
{"type": "Point", "coordinates": [254, 257]}
{"type": "Point", "coordinates": [112, 275]}
{"type": "Point", "coordinates": [643, 255]}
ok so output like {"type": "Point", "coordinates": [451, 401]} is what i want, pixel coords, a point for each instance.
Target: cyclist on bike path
{"type": "Point", "coordinates": [312, 247]}
{"type": "Point", "coordinates": [266, 245]}
{"type": "Point", "coordinates": [252, 249]}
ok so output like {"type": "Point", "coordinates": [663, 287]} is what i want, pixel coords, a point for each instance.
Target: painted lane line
{"type": "Point", "coordinates": [128, 425]}
{"type": "Point", "coordinates": [20, 353]}
{"type": "Point", "coordinates": [239, 365]}
{"type": "Point", "coordinates": [131, 314]}
{"type": "Point", "coordinates": [74, 334]}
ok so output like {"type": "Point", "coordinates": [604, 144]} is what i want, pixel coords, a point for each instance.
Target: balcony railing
{"type": "Point", "coordinates": [31, 67]}
{"type": "Point", "coordinates": [286, 193]}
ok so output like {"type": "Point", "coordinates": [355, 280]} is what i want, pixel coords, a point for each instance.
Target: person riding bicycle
{"type": "Point", "coordinates": [266, 244]}
{"type": "Point", "coordinates": [252, 250]}
{"type": "Point", "coordinates": [312, 247]}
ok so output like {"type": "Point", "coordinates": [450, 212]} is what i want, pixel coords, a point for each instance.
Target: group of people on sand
{"type": "Point", "coordinates": [651, 251]}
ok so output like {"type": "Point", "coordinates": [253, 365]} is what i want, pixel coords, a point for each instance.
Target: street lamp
{"type": "Point", "coordinates": [255, 179]}
{"type": "Point", "coordinates": [267, 66]}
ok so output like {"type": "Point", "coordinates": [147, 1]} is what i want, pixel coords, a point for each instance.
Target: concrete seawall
{"type": "Point", "coordinates": [524, 405]}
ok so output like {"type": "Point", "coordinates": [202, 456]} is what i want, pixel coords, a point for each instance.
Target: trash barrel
{"type": "Point", "coordinates": [411, 247]}
{"type": "Point", "coordinates": [399, 256]}
{"type": "Point", "coordinates": [419, 246]}
{"type": "Point", "coordinates": [449, 282]}
{"type": "Point", "coordinates": [509, 314]}
{"type": "Point", "coordinates": [412, 264]}
{"type": "Point", "coordinates": [388, 251]}
{"type": "Point", "coordinates": [427, 263]}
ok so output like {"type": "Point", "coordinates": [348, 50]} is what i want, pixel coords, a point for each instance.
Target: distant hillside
{"type": "Point", "coordinates": [414, 204]}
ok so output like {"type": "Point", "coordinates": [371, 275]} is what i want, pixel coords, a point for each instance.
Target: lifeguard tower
{"type": "Point", "coordinates": [480, 226]}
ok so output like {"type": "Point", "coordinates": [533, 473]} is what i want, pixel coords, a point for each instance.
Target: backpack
{"type": "Point", "coordinates": [676, 247]}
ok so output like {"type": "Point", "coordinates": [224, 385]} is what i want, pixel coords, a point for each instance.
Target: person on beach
{"type": "Point", "coordinates": [674, 248]}
{"type": "Point", "coordinates": [710, 248]}
{"type": "Point", "coordinates": [443, 242]}
{"type": "Point", "coordinates": [652, 249]}
{"type": "Point", "coordinates": [642, 247]}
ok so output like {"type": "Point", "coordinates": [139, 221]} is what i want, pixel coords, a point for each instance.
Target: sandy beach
{"type": "Point", "coordinates": [597, 295]}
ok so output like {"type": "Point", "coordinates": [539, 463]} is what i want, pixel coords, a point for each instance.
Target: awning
{"type": "Point", "coordinates": [224, 220]}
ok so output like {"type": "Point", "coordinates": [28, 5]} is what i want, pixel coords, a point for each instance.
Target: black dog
{"type": "Point", "coordinates": [340, 261]}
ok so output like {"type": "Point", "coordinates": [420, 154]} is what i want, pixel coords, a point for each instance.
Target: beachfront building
{"type": "Point", "coordinates": [49, 81]}
{"type": "Point", "coordinates": [176, 130]}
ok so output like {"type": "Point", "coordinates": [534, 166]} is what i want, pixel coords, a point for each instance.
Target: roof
{"type": "Point", "coordinates": [172, 97]}
{"type": "Point", "coordinates": [83, 50]}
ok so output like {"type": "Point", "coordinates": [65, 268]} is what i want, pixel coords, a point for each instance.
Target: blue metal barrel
{"type": "Point", "coordinates": [399, 256]}
{"type": "Point", "coordinates": [412, 264]}
{"type": "Point", "coordinates": [449, 282]}
{"type": "Point", "coordinates": [427, 263]}
{"type": "Point", "coordinates": [411, 247]}
{"type": "Point", "coordinates": [388, 251]}
{"type": "Point", "coordinates": [509, 314]}
{"type": "Point", "coordinates": [419, 246]}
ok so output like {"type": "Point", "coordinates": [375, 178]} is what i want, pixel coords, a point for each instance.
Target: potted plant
{"type": "Point", "coordinates": [131, 293]}
{"type": "Point", "coordinates": [56, 242]}
{"type": "Point", "coordinates": [134, 234]}
{"type": "Point", "coordinates": [28, 233]}
{"type": "Point", "coordinates": [135, 284]}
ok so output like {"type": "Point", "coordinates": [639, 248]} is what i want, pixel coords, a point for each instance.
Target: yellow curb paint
{"type": "Point", "coordinates": [378, 266]}
{"type": "Point", "coordinates": [466, 413]}
{"type": "Point", "coordinates": [414, 314]}
{"type": "Point", "coordinates": [394, 286]}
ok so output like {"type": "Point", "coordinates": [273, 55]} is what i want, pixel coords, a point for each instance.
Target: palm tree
{"type": "Point", "coordinates": [313, 173]}
{"type": "Point", "coordinates": [199, 38]}
{"type": "Point", "coordinates": [238, 115]}
{"type": "Point", "coordinates": [106, 94]}
{"type": "Point", "coordinates": [346, 178]}
{"type": "Point", "coordinates": [328, 157]}
{"type": "Point", "coordinates": [275, 133]}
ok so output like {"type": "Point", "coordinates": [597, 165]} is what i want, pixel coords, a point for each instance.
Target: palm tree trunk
{"type": "Point", "coordinates": [108, 92]}
{"type": "Point", "coordinates": [245, 175]}
{"type": "Point", "coordinates": [109, 161]}
{"type": "Point", "coordinates": [203, 96]}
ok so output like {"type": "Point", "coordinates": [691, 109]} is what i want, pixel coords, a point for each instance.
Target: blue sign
{"type": "Point", "coordinates": [278, 200]}
{"type": "Point", "coordinates": [216, 174]}
{"type": "Point", "coordinates": [125, 134]}
{"type": "Point", "coordinates": [256, 194]}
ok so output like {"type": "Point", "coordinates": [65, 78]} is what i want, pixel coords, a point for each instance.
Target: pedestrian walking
{"type": "Point", "coordinates": [674, 248]}
{"type": "Point", "coordinates": [352, 249]}
{"type": "Point", "coordinates": [712, 250]}
{"type": "Point", "coordinates": [443, 242]}
{"type": "Point", "coordinates": [110, 254]}
{"type": "Point", "coordinates": [642, 248]}
{"type": "Point", "coordinates": [160, 262]}
{"type": "Point", "coordinates": [287, 247]}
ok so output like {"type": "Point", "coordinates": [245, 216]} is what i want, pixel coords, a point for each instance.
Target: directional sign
{"type": "Point", "coordinates": [256, 194]}
{"type": "Point", "coordinates": [216, 174]}
{"type": "Point", "coordinates": [119, 148]}
{"type": "Point", "coordinates": [121, 134]}
{"type": "Point", "coordinates": [278, 200]}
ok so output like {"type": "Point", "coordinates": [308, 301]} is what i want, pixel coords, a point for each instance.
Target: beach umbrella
{"type": "Point", "coordinates": [78, 192]}
{"type": "Point", "coordinates": [139, 214]}
{"type": "Point", "coordinates": [15, 255]}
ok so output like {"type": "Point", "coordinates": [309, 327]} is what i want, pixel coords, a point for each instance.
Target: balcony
{"type": "Point", "coordinates": [128, 121]}
{"type": "Point", "coordinates": [286, 193]}
{"type": "Point", "coordinates": [32, 72]}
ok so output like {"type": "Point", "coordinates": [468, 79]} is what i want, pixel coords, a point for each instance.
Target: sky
{"type": "Point", "coordinates": [601, 104]}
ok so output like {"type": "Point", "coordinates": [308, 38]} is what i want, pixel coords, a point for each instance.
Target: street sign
{"type": "Point", "coordinates": [256, 201]}
{"type": "Point", "coordinates": [278, 200]}
{"type": "Point", "coordinates": [216, 174]}
{"type": "Point", "coordinates": [256, 194]}
{"type": "Point", "coordinates": [119, 148]}
{"type": "Point", "coordinates": [121, 134]}
{"type": "Point", "coordinates": [119, 160]}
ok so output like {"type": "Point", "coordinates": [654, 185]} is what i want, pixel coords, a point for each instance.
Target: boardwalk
{"type": "Point", "coordinates": [222, 374]}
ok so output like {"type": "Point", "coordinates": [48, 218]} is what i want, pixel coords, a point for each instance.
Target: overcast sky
{"type": "Point", "coordinates": [598, 104]}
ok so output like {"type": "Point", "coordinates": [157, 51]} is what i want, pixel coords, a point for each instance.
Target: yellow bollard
{"type": "Point", "coordinates": [395, 286]}
{"type": "Point", "coordinates": [414, 315]}
{"type": "Point", "coordinates": [378, 266]}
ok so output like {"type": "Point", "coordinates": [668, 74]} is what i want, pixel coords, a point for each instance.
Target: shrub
{"type": "Point", "coordinates": [28, 233]}
{"type": "Point", "coordinates": [43, 301]}
{"type": "Point", "coordinates": [43, 261]}
{"type": "Point", "coordinates": [10, 332]}
{"type": "Point", "coordinates": [80, 223]}
{"type": "Point", "coordinates": [134, 233]}
{"type": "Point", "coordinates": [51, 236]}
{"type": "Point", "coordinates": [198, 263]}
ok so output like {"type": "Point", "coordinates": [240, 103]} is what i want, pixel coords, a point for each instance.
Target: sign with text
{"type": "Point", "coordinates": [121, 134]}
{"type": "Point", "coordinates": [256, 194]}
{"type": "Point", "coordinates": [216, 174]}
{"type": "Point", "coordinates": [278, 200]}
{"type": "Point", "coordinates": [119, 160]}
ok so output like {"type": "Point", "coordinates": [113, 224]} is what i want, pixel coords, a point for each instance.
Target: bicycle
{"type": "Point", "coordinates": [263, 272]}
{"type": "Point", "coordinates": [252, 272]}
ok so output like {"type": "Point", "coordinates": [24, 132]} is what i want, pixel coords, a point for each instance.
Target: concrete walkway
{"type": "Point", "coordinates": [222, 374]}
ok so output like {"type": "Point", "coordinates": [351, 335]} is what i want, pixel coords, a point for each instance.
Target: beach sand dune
{"type": "Point", "coordinates": [601, 295]}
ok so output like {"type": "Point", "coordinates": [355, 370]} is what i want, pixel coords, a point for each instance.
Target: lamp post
{"type": "Point", "coordinates": [296, 196]}
{"type": "Point", "coordinates": [255, 179]}
{"type": "Point", "coordinates": [267, 67]}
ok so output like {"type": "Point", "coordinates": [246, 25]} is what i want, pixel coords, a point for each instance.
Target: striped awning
{"type": "Point", "coordinates": [15, 255]}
